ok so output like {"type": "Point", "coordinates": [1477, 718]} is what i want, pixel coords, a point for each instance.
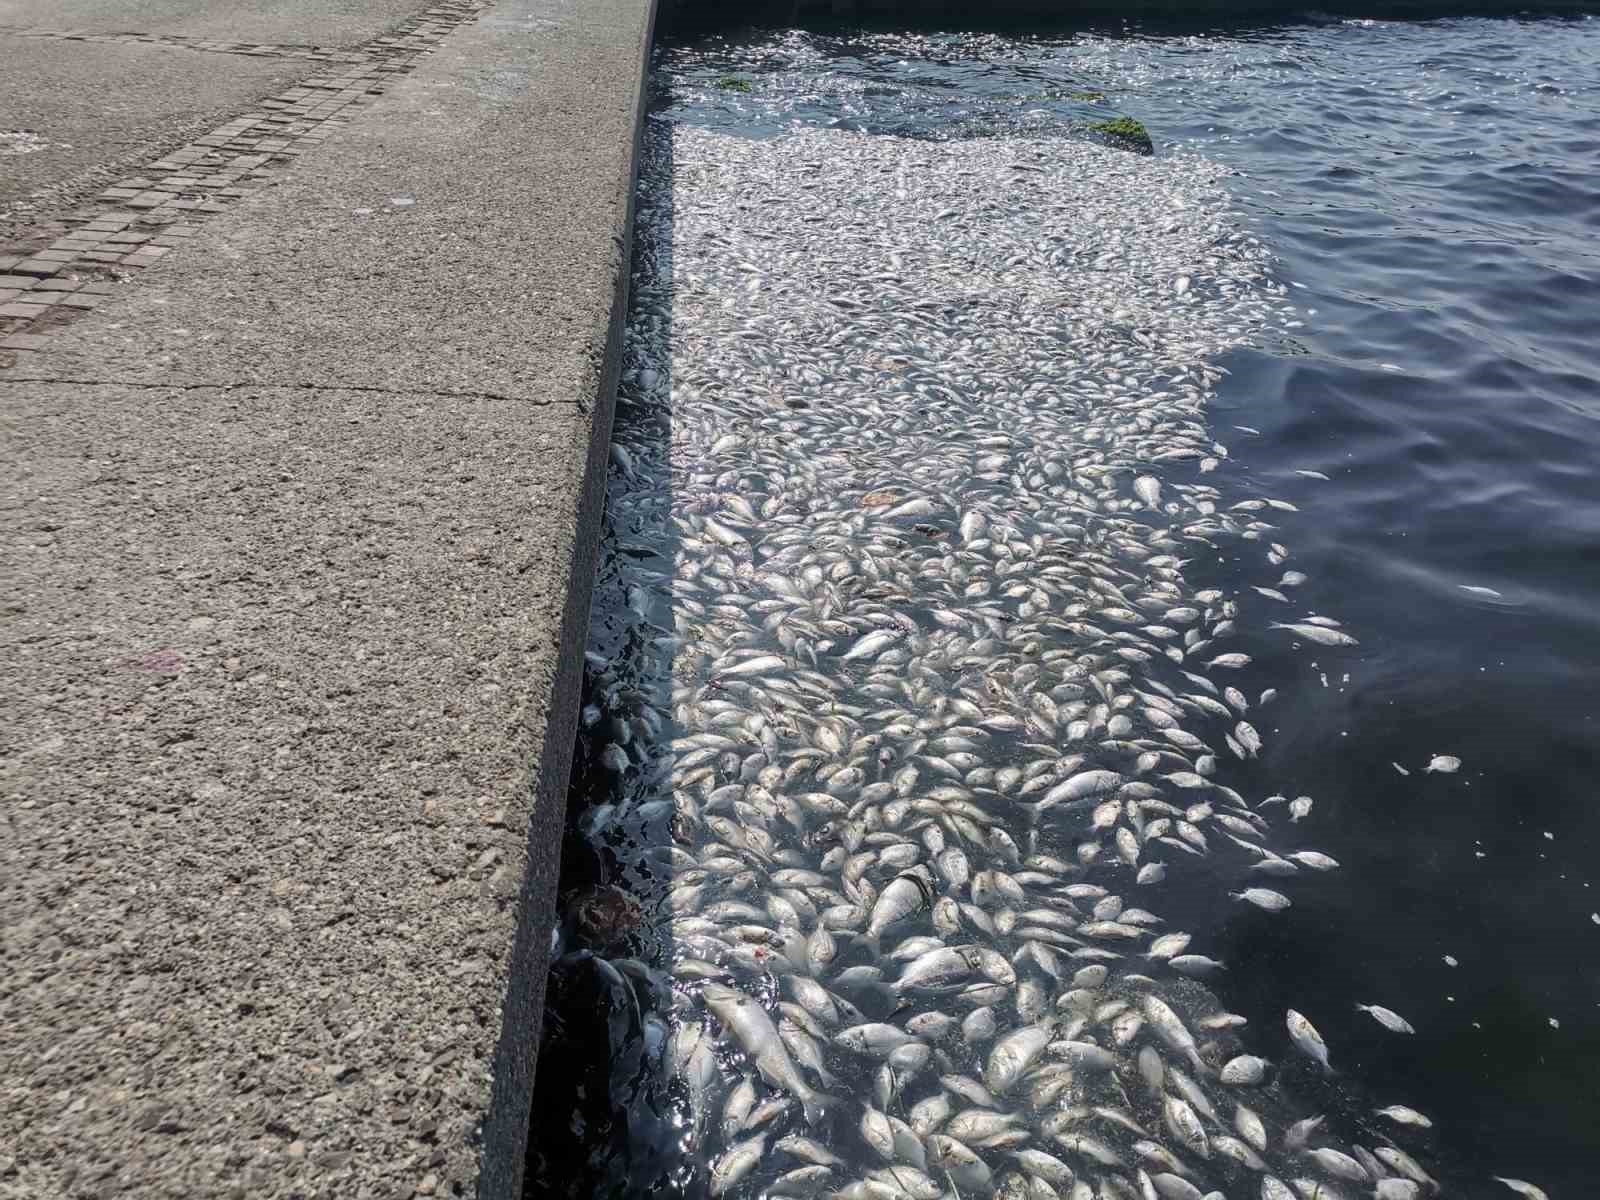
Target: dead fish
{"type": "Point", "coordinates": [1320, 634]}
{"type": "Point", "coordinates": [1386, 1017]}
{"type": "Point", "coordinates": [738, 1162]}
{"type": "Point", "coordinates": [1232, 662]}
{"type": "Point", "coordinates": [1405, 1116]}
{"type": "Point", "coordinates": [753, 1028]}
{"type": "Point", "coordinates": [1306, 1038]}
{"type": "Point", "coordinates": [1249, 1126]}
{"type": "Point", "coordinates": [1264, 898]}
{"type": "Point", "coordinates": [1314, 859]}
{"type": "Point", "coordinates": [1337, 1162]}
{"type": "Point", "coordinates": [1244, 1071]}
{"type": "Point", "coordinates": [1013, 1055]}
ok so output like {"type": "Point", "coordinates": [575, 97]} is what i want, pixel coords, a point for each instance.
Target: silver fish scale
{"type": "Point", "coordinates": [889, 585]}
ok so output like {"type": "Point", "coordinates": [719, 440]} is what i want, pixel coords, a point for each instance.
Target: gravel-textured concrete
{"type": "Point", "coordinates": [162, 96]}
{"type": "Point", "coordinates": [293, 663]}
{"type": "Point", "coordinates": [333, 23]}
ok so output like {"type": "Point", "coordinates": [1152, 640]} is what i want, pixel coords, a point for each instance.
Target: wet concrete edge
{"type": "Point", "coordinates": [506, 1128]}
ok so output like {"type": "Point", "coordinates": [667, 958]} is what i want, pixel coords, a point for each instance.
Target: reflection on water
{"type": "Point", "coordinates": [846, 351]}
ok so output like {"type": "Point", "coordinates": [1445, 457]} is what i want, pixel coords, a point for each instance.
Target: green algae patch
{"type": "Point", "coordinates": [1126, 133]}
{"type": "Point", "coordinates": [1087, 97]}
{"type": "Point", "coordinates": [732, 83]}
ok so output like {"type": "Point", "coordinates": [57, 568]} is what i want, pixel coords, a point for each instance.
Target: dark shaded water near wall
{"type": "Point", "coordinates": [1432, 191]}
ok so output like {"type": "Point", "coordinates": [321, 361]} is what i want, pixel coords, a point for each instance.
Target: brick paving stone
{"type": "Point", "coordinates": [80, 300]}
{"type": "Point", "coordinates": [37, 266]}
{"type": "Point", "coordinates": [57, 285]}
{"type": "Point", "coordinates": [23, 341]}
{"type": "Point", "coordinates": [16, 308]}
{"type": "Point", "coordinates": [16, 281]}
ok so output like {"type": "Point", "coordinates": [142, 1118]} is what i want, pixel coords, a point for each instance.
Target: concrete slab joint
{"type": "Point", "coordinates": [294, 580]}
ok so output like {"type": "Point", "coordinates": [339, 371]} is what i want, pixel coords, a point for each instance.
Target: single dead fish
{"type": "Point", "coordinates": [1386, 1017]}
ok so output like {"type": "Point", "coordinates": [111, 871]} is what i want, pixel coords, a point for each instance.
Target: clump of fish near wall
{"type": "Point", "coordinates": [910, 709]}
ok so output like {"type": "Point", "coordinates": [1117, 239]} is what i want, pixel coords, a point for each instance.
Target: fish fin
{"type": "Point", "coordinates": [817, 1106]}
{"type": "Point", "coordinates": [869, 940]}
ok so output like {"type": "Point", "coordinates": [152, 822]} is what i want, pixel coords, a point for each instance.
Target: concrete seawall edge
{"type": "Point", "coordinates": [506, 1130]}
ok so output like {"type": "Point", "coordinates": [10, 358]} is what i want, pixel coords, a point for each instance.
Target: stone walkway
{"type": "Point", "coordinates": [296, 547]}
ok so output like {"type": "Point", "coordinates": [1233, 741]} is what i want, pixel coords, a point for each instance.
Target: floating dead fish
{"type": "Point", "coordinates": [1264, 898]}
{"type": "Point", "coordinates": [1306, 1038]}
{"type": "Point", "coordinates": [1405, 1116]}
{"type": "Point", "coordinates": [1320, 634]}
{"type": "Point", "coordinates": [909, 688]}
{"type": "Point", "coordinates": [1386, 1017]}
{"type": "Point", "coordinates": [1523, 1188]}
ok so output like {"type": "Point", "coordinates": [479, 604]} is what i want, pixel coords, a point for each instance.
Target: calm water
{"type": "Point", "coordinates": [1432, 191]}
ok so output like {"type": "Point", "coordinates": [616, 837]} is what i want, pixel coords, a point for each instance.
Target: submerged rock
{"type": "Point", "coordinates": [1125, 133]}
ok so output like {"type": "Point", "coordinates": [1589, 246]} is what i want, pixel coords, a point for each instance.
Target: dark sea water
{"type": "Point", "coordinates": [1432, 190]}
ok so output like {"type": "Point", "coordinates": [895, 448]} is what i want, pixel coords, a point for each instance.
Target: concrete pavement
{"type": "Point", "coordinates": [341, 23]}
{"type": "Point", "coordinates": [295, 557]}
